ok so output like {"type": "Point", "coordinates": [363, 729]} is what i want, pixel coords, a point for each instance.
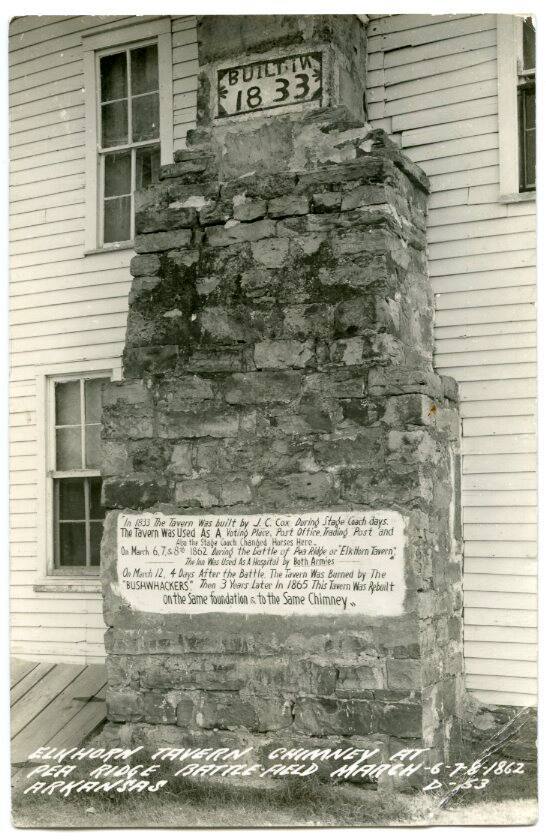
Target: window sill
{"type": "Point", "coordinates": [91, 587]}
{"type": "Point", "coordinates": [110, 249]}
{"type": "Point", "coordinates": [517, 197]}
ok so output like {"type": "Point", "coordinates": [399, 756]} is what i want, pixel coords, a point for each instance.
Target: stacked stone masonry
{"type": "Point", "coordinates": [279, 358]}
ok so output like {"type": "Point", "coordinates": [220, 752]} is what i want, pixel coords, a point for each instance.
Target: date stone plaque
{"type": "Point", "coordinates": [270, 83]}
{"type": "Point", "coordinates": [341, 563]}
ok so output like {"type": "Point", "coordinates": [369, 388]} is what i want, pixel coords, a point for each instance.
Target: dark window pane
{"type": "Point", "coordinates": [71, 498]}
{"type": "Point", "coordinates": [530, 162]}
{"type": "Point", "coordinates": [113, 77]}
{"type": "Point", "coordinates": [529, 45]}
{"type": "Point", "coordinates": [527, 136]}
{"type": "Point", "coordinates": [71, 549]}
{"type": "Point", "coordinates": [530, 118]}
{"type": "Point", "coordinates": [117, 174]}
{"type": "Point", "coordinates": [93, 400]}
{"type": "Point", "coordinates": [93, 449]}
{"type": "Point", "coordinates": [95, 538]}
{"type": "Point", "coordinates": [69, 449]}
{"type": "Point", "coordinates": [67, 403]}
{"type": "Point", "coordinates": [147, 166]}
{"type": "Point", "coordinates": [145, 117]}
{"type": "Point", "coordinates": [96, 511]}
{"type": "Point", "coordinates": [114, 124]}
{"type": "Point", "coordinates": [144, 72]}
{"type": "Point", "coordinates": [117, 219]}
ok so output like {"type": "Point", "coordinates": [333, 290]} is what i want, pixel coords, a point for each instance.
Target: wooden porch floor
{"type": "Point", "coordinates": [55, 705]}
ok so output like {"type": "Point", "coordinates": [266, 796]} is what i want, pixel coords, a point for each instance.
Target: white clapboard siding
{"type": "Point", "coordinates": [65, 307]}
{"type": "Point", "coordinates": [184, 77]}
{"type": "Point", "coordinates": [433, 81]}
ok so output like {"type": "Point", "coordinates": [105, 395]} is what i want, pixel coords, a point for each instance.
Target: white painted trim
{"type": "Point", "coordinates": [508, 37]}
{"type": "Point", "coordinates": [66, 586]}
{"type": "Point", "coordinates": [514, 198]}
{"type": "Point", "coordinates": [45, 448]}
{"type": "Point", "coordinates": [91, 160]}
{"type": "Point", "coordinates": [166, 109]}
{"type": "Point", "coordinates": [136, 31]}
{"type": "Point", "coordinates": [159, 29]}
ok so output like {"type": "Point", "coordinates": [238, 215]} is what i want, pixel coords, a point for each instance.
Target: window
{"type": "Point", "coordinates": [129, 135]}
{"type": "Point", "coordinates": [74, 460]}
{"type": "Point", "coordinates": [516, 87]}
{"type": "Point", "coordinates": [128, 125]}
{"type": "Point", "coordinates": [526, 105]}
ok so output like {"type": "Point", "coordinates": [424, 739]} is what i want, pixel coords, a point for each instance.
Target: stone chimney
{"type": "Point", "coordinates": [281, 560]}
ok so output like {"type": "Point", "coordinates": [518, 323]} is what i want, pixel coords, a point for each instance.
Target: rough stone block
{"type": "Point", "coordinates": [285, 353]}
{"type": "Point", "coordinates": [201, 166]}
{"type": "Point", "coordinates": [194, 424]}
{"type": "Point", "coordinates": [260, 387]}
{"type": "Point", "coordinates": [115, 459]}
{"type": "Point", "coordinates": [224, 326]}
{"type": "Point", "coordinates": [248, 209]}
{"type": "Point", "coordinates": [182, 258]}
{"type": "Point", "coordinates": [219, 236]}
{"type": "Point", "coordinates": [323, 717]}
{"type": "Point", "coordinates": [142, 286]}
{"type": "Point", "coordinates": [410, 409]}
{"type": "Point", "coordinates": [132, 392]}
{"type": "Point", "coordinates": [235, 492]}
{"type": "Point", "coordinates": [450, 388]}
{"type": "Point", "coordinates": [153, 359]}
{"type": "Point", "coordinates": [362, 447]}
{"type": "Point", "coordinates": [318, 487]}
{"type": "Point", "coordinates": [215, 212]}
{"type": "Point", "coordinates": [196, 493]}
{"type": "Point", "coordinates": [341, 383]}
{"type": "Point", "coordinates": [185, 710]}
{"type": "Point", "coordinates": [271, 253]}
{"type": "Point", "coordinates": [215, 361]}
{"type": "Point", "coordinates": [288, 205]}
{"type": "Point", "coordinates": [356, 272]}
{"type": "Point", "coordinates": [135, 492]}
{"type": "Point", "coordinates": [181, 459]}
{"type": "Point", "coordinates": [124, 705]}
{"type": "Point", "coordinates": [354, 315]}
{"type": "Point", "coordinates": [399, 380]}
{"type": "Point", "coordinates": [402, 718]}
{"type": "Point", "coordinates": [146, 243]}
{"type": "Point", "coordinates": [360, 680]}
{"type": "Point", "coordinates": [347, 351]}
{"type": "Point", "coordinates": [260, 185]}
{"type": "Point", "coordinates": [152, 219]}
{"type": "Point", "coordinates": [403, 673]}
{"type": "Point", "coordinates": [182, 391]}
{"type": "Point", "coordinates": [303, 320]}
{"type": "Point", "coordinates": [160, 708]}
{"type": "Point", "coordinates": [326, 202]}
{"type": "Point", "coordinates": [145, 264]}
{"type": "Point", "coordinates": [131, 422]}
{"type": "Point", "coordinates": [413, 446]}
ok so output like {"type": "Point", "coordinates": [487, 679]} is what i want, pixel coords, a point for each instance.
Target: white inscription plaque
{"type": "Point", "coordinates": [342, 563]}
{"type": "Point", "coordinates": [269, 83]}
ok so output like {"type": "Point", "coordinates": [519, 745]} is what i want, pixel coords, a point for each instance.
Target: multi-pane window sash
{"type": "Point", "coordinates": [128, 134]}
{"type": "Point", "coordinates": [77, 513]}
{"type": "Point", "coordinates": [527, 107]}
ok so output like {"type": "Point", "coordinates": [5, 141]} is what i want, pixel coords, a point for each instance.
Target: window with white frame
{"type": "Point", "coordinates": [74, 481]}
{"type": "Point", "coordinates": [527, 105]}
{"type": "Point", "coordinates": [516, 51]}
{"type": "Point", "coordinates": [128, 125]}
